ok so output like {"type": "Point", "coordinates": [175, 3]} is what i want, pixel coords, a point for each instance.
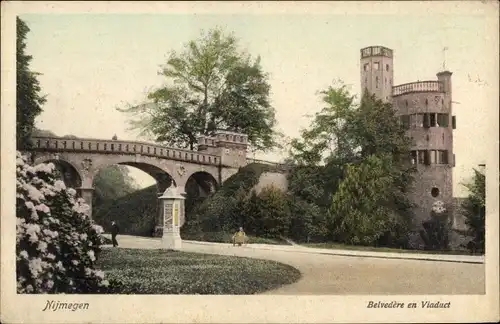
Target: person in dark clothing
{"type": "Point", "coordinates": [114, 232]}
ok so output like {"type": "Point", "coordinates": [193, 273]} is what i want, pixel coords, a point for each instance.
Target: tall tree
{"type": "Point", "coordinates": [352, 145]}
{"type": "Point", "coordinates": [475, 208]}
{"type": "Point", "coordinates": [209, 86]}
{"type": "Point", "coordinates": [28, 99]}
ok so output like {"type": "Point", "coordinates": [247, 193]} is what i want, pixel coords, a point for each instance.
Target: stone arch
{"type": "Point", "coordinates": [164, 178]}
{"type": "Point", "coordinates": [199, 185]}
{"type": "Point", "coordinates": [206, 182]}
{"type": "Point", "coordinates": [70, 174]}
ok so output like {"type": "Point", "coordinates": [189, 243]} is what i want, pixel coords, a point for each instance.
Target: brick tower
{"type": "Point", "coordinates": [425, 110]}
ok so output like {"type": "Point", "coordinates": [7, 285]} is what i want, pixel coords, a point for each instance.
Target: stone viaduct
{"type": "Point", "coordinates": [79, 160]}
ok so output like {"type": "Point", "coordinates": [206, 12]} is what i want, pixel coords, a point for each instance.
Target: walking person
{"type": "Point", "coordinates": [239, 237]}
{"type": "Point", "coordinates": [114, 231]}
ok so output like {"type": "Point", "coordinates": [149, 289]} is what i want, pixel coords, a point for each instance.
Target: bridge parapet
{"type": "Point", "coordinates": [77, 145]}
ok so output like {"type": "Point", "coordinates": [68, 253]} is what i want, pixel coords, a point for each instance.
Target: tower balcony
{"type": "Point", "coordinates": [420, 86]}
{"type": "Point", "coordinates": [376, 51]}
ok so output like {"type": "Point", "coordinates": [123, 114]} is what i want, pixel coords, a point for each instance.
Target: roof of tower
{"type": "Point", "coordinates": [376, 51]}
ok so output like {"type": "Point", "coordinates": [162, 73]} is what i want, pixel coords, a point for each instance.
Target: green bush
{"type": "Point", "coordinates": [57, 244]}
{"type": "Point", "coordinates": [170, 272]}
{"type": "Point", "coordinates": [134, 213]}
{"type": "Point", "coordinates": [435, 231]}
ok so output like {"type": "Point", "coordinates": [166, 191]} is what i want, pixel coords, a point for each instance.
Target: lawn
{"type": "Point", "coordinates": [338, 246]}
{"type": "Point", "coordinates": [172, 272]}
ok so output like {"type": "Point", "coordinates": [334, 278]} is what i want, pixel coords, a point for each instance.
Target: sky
{"type": "Point", "coordinates": [93, 63]}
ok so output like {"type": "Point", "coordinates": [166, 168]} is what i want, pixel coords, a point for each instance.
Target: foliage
{"type": "Point", "coordinates": [307, 221]}
{"type": "Point", "coordinates": [160, 272]}
{"type": "Point", "coordinates": [57, 244]}
{"type": "Point", "coordinates": [222, 211]}
{"type": "Point", "coordinates": [361, 208]}
{"type": "Point", "coordinates": [210, 86]}
{"type": "Point", "coordinates": [353, 151]}
{"type": "Point", "coordinates": [29, 102]}
{"type": "Point", "coordinates": [268, 213]}
{"type": "Point", "coordinates": [112, 183]}
{"type": "Point", "coordinates": [475, 209]}
{"type": "Point", "coordinates": [135, 213]}
{"type": "Point", "coordinates": [435, 231]}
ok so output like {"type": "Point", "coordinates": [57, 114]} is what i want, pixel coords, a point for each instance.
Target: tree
{"type": "Point", "coordinates": [112, 183]}
{"type": "Point", "coordinates": [210, 86]}
{"type": "Point", "coordinates": [28, 99]}
{"type": "Point", "coordinates": [362, 208]}
{"type": "Point", "coordinates": [350, 144]}
{"type": "Point", "coordinates": [271, 213]}
{"type": "Point", "coordinates": [474, 207]}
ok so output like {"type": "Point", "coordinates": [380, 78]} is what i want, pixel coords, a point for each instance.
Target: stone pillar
{"type": "Point", "coordinates": [173, 211]}
{"type": "Point", "coordinates": [86, 194]}
{"type": "Point", "coordinates": [158, 231]}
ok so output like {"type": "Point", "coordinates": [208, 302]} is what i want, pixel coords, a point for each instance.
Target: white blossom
{"type": "Point", "coordinates": [91, 255]}
{"type": "Point", "coordinates": [75, 262]}
{"type": "Point", "coordinates": [45, 167]}
{"type": "Point", "coordinates": [33, 193]}
{"type": "Point", "coordinates": [44, 208]}
{"type": "Point", "coordinates": [30, 205]}
{"type": "Point", "coordinates": [99, 274]}
{"type": "Point", "coordinates": [50, 284]}
{"type": "Point", "coordinates": [71, 191]}
{"type": "Point", "coordinates": [51, 256]}
{"type": "Point", "coordinates": [35, 266]}
{"type": "Point", "coordinates": [98, 229]}
{"type": "Point", "coordinates": [42, 246]}
{"type": "Point", "coordinates": [59, 185]}
{"type": "Point", "coordinates": [24, 254]}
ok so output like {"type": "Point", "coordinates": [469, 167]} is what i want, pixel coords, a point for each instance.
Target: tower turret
{"type": "Point", "coordinates": [377, 71]}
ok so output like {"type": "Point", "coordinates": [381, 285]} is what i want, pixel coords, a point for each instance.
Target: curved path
{"type": "Point", "coordinates": [349, 274]}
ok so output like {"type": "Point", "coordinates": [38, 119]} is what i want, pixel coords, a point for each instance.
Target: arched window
{"type": "Point", "coordinates": [387, 67]}
{"type": "Point", "coordinates": [376, 82]}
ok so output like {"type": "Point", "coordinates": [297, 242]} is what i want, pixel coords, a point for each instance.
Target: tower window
{"type": "Point", "coordinates": [434, 192]}
{"type": "Point", "coordinates": [385, 81]}
{"type": "Point", "coordinates": [426, 102]}
{"type": "Point", "coordinates": [366, 66]}
{"type": "Point", "coordinates": [442, 120]}
{"type": "Point", "coordinates": [433, 120]}
{"type": "Point", "coordinates": [387, 67]}
{"type": "Point", "coordinates": [376, 66]}
{"type": "Point", "coordinates": [376, 82]}
{"type": "Point", "coordinates": [442, 157]}
{"type": "Point", "coordinates": [421, 157]}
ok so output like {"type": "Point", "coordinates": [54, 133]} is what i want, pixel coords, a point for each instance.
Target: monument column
{"type": "Point", "coordinates": [173, 211]}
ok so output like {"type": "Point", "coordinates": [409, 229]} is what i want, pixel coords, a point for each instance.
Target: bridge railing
{"type": "Point", "coordinates": [121, 147]}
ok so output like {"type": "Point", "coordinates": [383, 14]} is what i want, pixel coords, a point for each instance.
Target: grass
{"type": "Point", "coordinates": [172, 272]}
{"type": "Point", "coordinates": [339, 246]}
{"type": "Point", "coordinates": [224, 237]}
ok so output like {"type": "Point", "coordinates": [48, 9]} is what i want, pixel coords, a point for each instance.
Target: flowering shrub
{"type": "Point", "coordinates": [435, 231]}
{"type": "Point", "coordinates": [57, 244]}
